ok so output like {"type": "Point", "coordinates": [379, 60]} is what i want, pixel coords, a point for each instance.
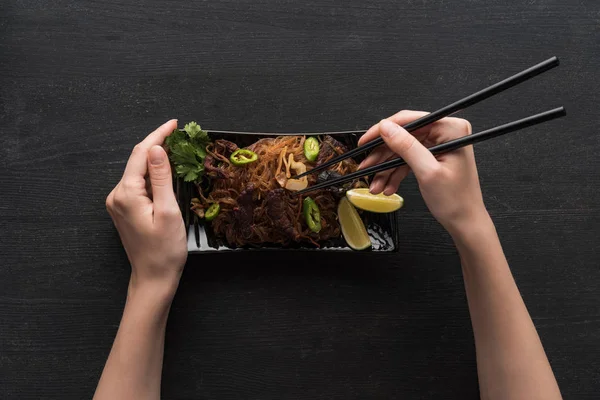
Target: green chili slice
{"type": "Point", "coordinates": [312, 214]}
{"type": "Point", "coordinates": [311, 148]}
{"type": "Point", "coordinates": [212, 211]}
{"type": "Point", "coordinates": [242, 156]}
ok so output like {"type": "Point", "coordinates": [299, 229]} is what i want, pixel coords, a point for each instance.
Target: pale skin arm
{"type": "Point", "coordinates": [511, 362]}
{"type": "Point", "coordinates": [510, 358]}
{"type": "Point", "coordinates": [146, 214]}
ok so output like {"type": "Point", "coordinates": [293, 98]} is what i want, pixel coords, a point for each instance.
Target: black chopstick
{"type": "Point", "coordinates": [448, 146]}
{"type": "Point", "coordinates": [448, 110]}
{"type": "Point", "coordinates": [333, 133]}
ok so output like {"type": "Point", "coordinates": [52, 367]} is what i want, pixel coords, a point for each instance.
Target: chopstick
{"type": "Point", "coordinates": [332, 133]}
{"type": "Point", "coordinates": [448, 110]}
{"type": "Point", "coordinates": [448, 146]}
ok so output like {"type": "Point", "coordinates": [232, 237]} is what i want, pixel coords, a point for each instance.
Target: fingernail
{"type": "Point", "coordinates": [387, 128]}
{"type": "Point", "coordinates": [157, 155]}
{"type": "Point", "coordinates": [169, 121]}
{"type": "Point", "coordinates": [374, 188]}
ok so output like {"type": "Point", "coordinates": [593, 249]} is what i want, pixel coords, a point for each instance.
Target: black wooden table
{"type": "Point", "coordinates": [82, 81]}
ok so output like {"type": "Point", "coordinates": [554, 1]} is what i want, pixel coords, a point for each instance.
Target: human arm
{"type": "Point", "coordinates": [146, 214]}
{"type": "Point", "coordinates": [511, 361]}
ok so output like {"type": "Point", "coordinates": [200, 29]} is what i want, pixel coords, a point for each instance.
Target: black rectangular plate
{"type": "Point", "coordinates": [382, 228]}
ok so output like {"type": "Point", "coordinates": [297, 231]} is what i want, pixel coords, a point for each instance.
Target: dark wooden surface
{"type": "Point", "coordinates": [82, 81]}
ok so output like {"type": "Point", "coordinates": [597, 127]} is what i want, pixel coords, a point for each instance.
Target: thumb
{"type": "Point", "coordinates": [420, 160]}
{"type": "Point", "coordinates": [161, 180]}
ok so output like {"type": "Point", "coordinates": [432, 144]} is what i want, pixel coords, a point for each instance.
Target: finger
{"type": "Point", "coordinates": [401, 118]}
{"type": "Point", "coordinates": [380, 178]}
{"type": "Point", "coordinates": [383, 153]}
{"type": "Point", "coordinates": [395, 179]}
{"type": "Point", "coordinates": [377, 156]}
{"type": "Point", "coordinates": [420, 160]}
{"type": "Point", "coordinates": [379, 181]}
{"type": "Point", "coordinates": [370, 134]}
{"type": "Point", "coordinates": [161, 182]}
{"type": "Point", "coordinates": [406, 116]}
{"type": "Point", "coordinates": [450, 128]}
{"type": "Point", "coordinates": [158, 136]}
{"type": "Point", "coordinates": [138, 161]}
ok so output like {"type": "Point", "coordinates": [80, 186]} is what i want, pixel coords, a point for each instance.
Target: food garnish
{"type": "Point", "coordinates": [378, 203]}
{"type": "Point", "coordinates": [311, 148]}
{"type": "Point", "coordinates": [353, 228]}
{"type": "Point", "coordinates": [187, 150]}
{"type": "Point", "coordinates": [212, 212]}
{"type": "Point", "coordinates": [312, 215]}
{"type": "Point", "coordinates": [242, 157]}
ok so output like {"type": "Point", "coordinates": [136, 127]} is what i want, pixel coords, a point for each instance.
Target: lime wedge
{"type": "Point", "coordinates": [353, 228]}
{"type": "Point", "coordinates": [378, 203]}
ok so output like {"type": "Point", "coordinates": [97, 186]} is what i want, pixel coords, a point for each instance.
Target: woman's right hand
{"type": "Point", "coordinates": [449, 183]}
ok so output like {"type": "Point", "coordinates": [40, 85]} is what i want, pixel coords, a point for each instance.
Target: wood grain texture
{"type": "Point", "coordinates": [82, 81]}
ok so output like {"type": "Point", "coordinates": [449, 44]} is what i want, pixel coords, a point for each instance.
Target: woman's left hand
{"type": "Point", "coordinates": [146, 214]}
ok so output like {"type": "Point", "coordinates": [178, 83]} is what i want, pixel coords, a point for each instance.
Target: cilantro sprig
{"type": "Point", "coordinates": [187, 150]}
